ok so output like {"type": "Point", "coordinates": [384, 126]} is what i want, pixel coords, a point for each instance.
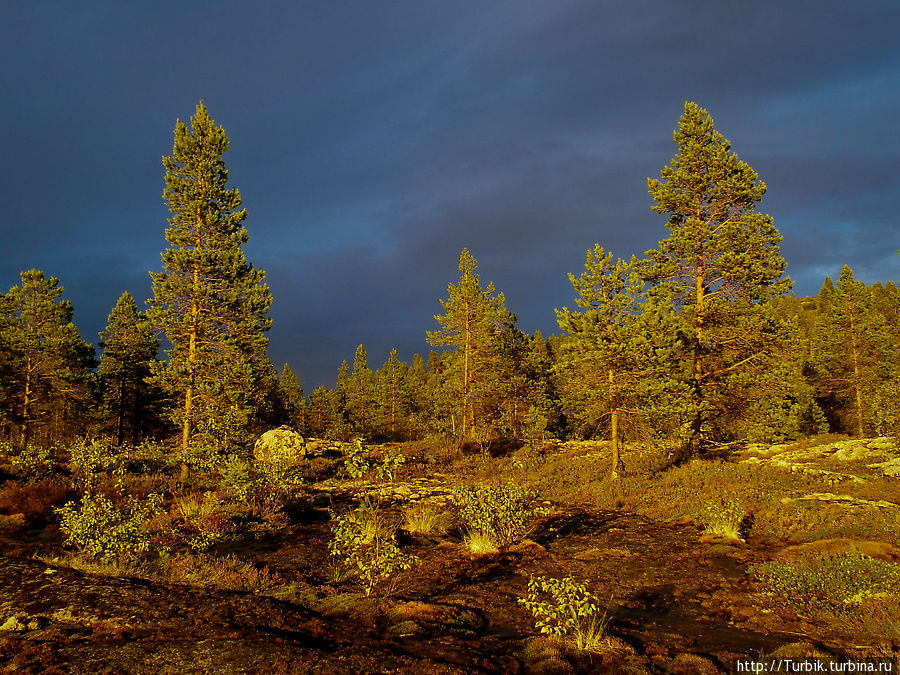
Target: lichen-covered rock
{"type": "Point", "coordinates": [279, 445]}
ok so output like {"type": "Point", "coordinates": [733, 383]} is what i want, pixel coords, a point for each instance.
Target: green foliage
{"type": "Point", "coordinates": [565, 608]}
{"type": "Point", "coordinates": [391, 462]}
{"type": "Point", "coordinates": [365, 547]}
{"type": "Point", "coordinates": [34, 461]}
{"type": "Point", "coordinates": [293, 401]}
{"type": "Point", "coordinates": [129, 354]}
{"type": "Point", "coordinates": [472, 325]}
{"type": "Point", "coordinates": [96, 527]}
{"type": "Point", "coordinates": [498, 513]}
{"type": "Point", "coordinates": [44, 363]}
{"type": "Point", "coordinates": [834, 582]}
{"type": "Point", "coordinates": [201, 521]}
{"type": "Point", "coordinates": [535, 425]}
{"type": "Point", "coordinates": [262, 486]}
{"type": "Point", "coordinates": [89, 459]}
{"type": "Point", "coordinates": [719, 267]}
{"type": "Point", "coordinates": [855, 359]}
{"type": "Point", "coordinates": [723, 517]}
{"type": "Point", "coordinates": [209, 301]}
{"type": "Point", "coordinates": [357, 463]}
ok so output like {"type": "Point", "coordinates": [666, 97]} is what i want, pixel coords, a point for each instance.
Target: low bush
{"type": "Point", "coordinates": [34, 461]}
{"type": "Point", "coordinates": [89, 459]}
{"type": "Point", "coordinates": [391, 462]}
{"type": "Point", "coordinates": [364, 547]}
{"type": "Point", "coordinates": [565, 608]}
{"type": "Point", "coordinates": [357, 464]}
{"type": "Point", "coordinates": [263, 487]}
{"type": "Point", "coordinates": [494, 513]}
{"type": "Point", "coordinates": [97, 528]}
{"type": "Point", "coordinates": [831, 582]}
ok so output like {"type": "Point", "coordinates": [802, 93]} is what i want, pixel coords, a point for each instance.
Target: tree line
{"type": "Point", "coordinates": [698, 343]}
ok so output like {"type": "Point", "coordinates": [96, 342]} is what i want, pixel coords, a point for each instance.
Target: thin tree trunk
{"type": "Point", "coordinates": [695, 444]}
{"type": "Point", "coordinates": [614, 424]}
{"type": "Point", "coordinates": [120, 434]}
{"type": "Point", "coordinates": [857, 379]}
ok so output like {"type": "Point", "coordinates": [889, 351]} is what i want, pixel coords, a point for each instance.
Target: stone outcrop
{"type": "Point", "coordinates": [280, 445]}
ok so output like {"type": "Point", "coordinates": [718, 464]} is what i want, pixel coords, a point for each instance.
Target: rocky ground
{"type": "Point", "coordinates": [681, 601]}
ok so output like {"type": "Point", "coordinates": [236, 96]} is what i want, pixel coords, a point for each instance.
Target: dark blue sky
{"type": "Point", "coordinates": [372, 141]}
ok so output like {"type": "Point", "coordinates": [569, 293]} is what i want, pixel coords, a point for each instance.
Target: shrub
{"type": "Point", "coordinates": [201, 521]}
{"type": "Point", "coordinates": [496, 513]}
{"type": "Point", "coordinates": [364, 546]}
{"type": "Point", "coordinates": [261, 486]}
{"type": "Point", "coordinates": [565, 608]}
{"type": "Point", "coordinates": [98, 529]}
{"type": "Point", "coordinates": [357, 464]}
{"type": "Point", "coordinates": [87, 459]}
{"type": "Point", "coordinates": [392, 461]}
{"type": "Point", "coordinates": [34, 461]}
{"type": "Point", "coordinates": [834, 582]}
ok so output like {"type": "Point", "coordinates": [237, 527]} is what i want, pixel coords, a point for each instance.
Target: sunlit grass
{"type": "Point", "coordinates": [481, 543]}
{"type": "Point", "coordinates": [427, 518]}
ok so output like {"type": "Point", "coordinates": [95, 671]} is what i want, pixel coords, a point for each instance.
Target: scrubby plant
{"type": "Point", "coordinates": [261, 486]}
{"type": "Point", "coordinates": [832, 582]}
{"type": "Point", "coordinates": [565, 608]}
{"type": "Point", "coordinates": [494, 513]}
{"type": "Point", "coordinates": [226, 572]}
{"type": "Point", "coordinates": [356, 464]}
{"type": "Point", "coordinates": [427, 518]}
{"type": "Point", "coordinates": [281, 478]}
{"type": "Point", "coordinates": [88, 459]}
{"type": "Point", "coordinates": [391, 462]}
{"type": "Point", "coordinates": [96, 527]}
{"type": "Point", "coordinates": [723, 517]}
{"type": "Point", "coordinates": [34, 461]}
{"type": "Point", "coordinates": [201, 520]}
{"type": "Point", "coordinates": [364, 546]}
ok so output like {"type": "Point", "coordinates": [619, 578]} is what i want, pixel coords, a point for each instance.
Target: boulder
{"type": "Point", "coordinates": [279, 445]}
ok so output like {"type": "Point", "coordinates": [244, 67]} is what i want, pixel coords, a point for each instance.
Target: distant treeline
{"type": "Point", "coordinates": [698, 343]}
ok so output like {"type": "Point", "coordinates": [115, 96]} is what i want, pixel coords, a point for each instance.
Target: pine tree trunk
{"type": "Point", "coordinates": [26, 404]}
{"type": "Point", "coordinates": [857, 379]}
{"type": "Point", "coordinates": [614, 424]}
{"type": "Point", "coordinates": [120, 434]}
{"type": "Point", "coordinates": [695, 444]}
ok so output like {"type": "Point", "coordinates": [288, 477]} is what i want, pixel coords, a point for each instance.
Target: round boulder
{"type": "Point", "coordinates": [279, 445]}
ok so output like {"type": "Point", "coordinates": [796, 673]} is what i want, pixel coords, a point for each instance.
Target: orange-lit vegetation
{"type": "Point", "coordinates": [669, 451]}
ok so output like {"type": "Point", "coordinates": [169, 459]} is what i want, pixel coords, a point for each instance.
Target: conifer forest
{"type": "Point", "coordinates": [699, 467]}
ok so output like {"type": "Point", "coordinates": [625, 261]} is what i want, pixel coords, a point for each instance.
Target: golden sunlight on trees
{"type": "Point", "coordinates": [210, 303]}
{"type": "Point", "coordinates": [719, 266]}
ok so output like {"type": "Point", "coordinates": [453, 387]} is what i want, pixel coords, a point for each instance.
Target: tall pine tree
{"type": "Point", "coordinates": [718, 267]}
{"type": "Point", "coordinates": [210, 303]}
{"type": "Point", "coordinates": [45, 361]}
{"type": "Point", "coordinates": [607, 352]}
{"type": "Point", "coordinates": [853, 352]}
{"type": "Point", "coordinates": [474, 318]}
